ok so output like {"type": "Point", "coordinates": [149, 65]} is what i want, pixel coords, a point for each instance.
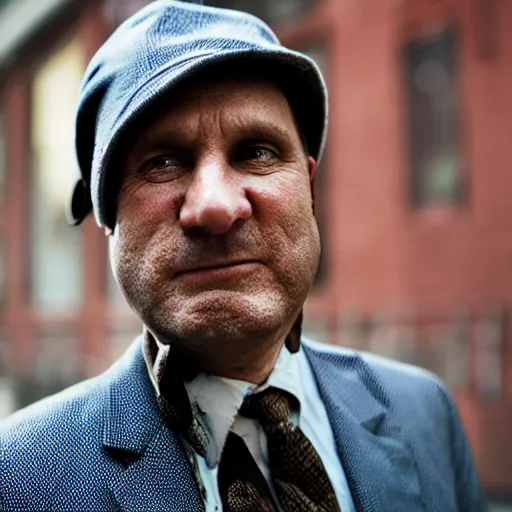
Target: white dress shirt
{"type": "Point", "coordinates": [219, 399]}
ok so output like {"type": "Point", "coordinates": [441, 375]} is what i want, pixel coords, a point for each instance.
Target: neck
{"type": "Point", "coordinates": [249, 360]}
{"type": "Point", "coordinates": [252, 368]}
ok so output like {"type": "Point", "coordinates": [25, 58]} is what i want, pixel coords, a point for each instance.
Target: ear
{"type": "Point", "coordinates": [312, 168]}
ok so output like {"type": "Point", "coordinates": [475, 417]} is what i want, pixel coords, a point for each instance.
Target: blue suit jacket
{"type": "Point", "coordinates": [102, 445]}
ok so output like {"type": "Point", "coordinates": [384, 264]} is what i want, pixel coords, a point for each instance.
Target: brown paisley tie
{"type": "Point", "coordinates": [299, 477]}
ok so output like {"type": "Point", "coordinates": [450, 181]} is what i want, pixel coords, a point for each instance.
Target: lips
{"type": "Point", "coordinates": [215, 267]}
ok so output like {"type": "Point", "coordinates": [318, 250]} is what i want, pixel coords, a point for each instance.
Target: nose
{"type": "Point", "coordinates": [215, 199]}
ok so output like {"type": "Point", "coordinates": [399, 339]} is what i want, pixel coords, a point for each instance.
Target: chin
{"type": "Point", "coordinates": [222, 316]}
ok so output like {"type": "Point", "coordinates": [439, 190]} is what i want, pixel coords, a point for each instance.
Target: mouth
{"type": "Point", "coordinates": [220, 270]}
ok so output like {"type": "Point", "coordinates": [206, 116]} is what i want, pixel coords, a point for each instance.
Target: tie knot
{"type": "Point", "coordinates": [271, 407]}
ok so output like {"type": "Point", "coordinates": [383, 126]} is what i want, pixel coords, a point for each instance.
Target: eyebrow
{"type": "Point", "coordinates": [163, 137]}
{"type": "Point", "coordinates": [264, 129]}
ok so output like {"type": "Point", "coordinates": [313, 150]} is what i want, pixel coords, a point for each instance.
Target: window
{"type": "Point", "coordinates": [272, 11]}
{"type": "Point", "coordinates": [56, 276]}
{"type": "Point", "coordinates": [434, 149]}
{"type": "Point", "coordinates": [490, 355]}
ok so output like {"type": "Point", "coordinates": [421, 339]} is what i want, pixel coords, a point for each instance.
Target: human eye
{"type": "Point", "coordinates": [256, 153]}
{"type": "Point", "coordinates": [164, 168]}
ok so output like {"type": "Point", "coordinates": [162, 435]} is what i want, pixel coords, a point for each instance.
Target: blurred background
{"type": "Point", "coordinates": [413, 198]}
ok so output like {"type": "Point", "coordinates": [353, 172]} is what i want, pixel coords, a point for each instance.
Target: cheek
{"type": "Point", "coordinates": [285, 214]}
{"type": "Point", "coordinates": [124, 251]}
{"type": "Point", "coordinates": [141, 213]}
{"type": "Point", "coordinates": [141, 202]}
{"type": "Point", "coordinates": [286, 201]}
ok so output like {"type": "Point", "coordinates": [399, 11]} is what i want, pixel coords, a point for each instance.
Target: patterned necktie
{"type": "Point", "coordinates": [299, 477]}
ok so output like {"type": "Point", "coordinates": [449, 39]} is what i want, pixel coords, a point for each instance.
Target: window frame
{"type": "Point", "coordinates": [417, 149]}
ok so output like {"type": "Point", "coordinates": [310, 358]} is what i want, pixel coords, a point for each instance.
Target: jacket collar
{"type": "Point", "coordinates": [377, 461]}
{"type": "Point", "coordinates": [133, 419]}
{"type": "Point", "coordinates": [153, 467]}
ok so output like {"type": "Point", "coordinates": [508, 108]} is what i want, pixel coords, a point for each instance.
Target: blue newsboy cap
{"type": "Point", "coordinates": [158, 49]}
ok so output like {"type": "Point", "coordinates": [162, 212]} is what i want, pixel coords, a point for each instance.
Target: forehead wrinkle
{"type": "Point", "coordinates": [262, 118]}
{"type": "Point", "coordinates": [185, 122]}
{"type": "Point", "coordinates": [198, 94]}
{"type": "Point", "coordinates": [233, 97]}
{"type": "Point", "coordinates": [209, 123]}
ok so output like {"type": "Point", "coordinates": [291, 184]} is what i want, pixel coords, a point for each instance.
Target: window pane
{"type": "Point", "coordinates": [272, 11]}
{"type": "Point", "coordinates": [433, 120]}
{"type": "Point", "coordinates": [56, 247]}
{"type": "Point", "coordinates": [490, 355]}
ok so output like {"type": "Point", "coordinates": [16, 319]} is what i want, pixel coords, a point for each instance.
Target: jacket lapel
{"type": "Point", "coordinates": [152, 471]}
{"type": "Point", "coordinates": [377, 463]}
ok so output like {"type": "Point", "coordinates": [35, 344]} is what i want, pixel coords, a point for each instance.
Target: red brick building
{"type": "Point", "coordinates": [413, 196]}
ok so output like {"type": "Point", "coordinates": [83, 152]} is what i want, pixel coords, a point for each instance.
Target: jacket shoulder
{"type": "Point", "coordinates": [48, 444]}
{"type": "Point", "coordinates": [74, 407]}
{"type": "Point", "coordinates": [392, 375]}
{"type": "Point", "coordinates": [52, 452]}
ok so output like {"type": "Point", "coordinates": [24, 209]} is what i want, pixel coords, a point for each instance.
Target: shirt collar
{"type": "Point", "coordinates": [216, 400]}
{"type": "Point", "coordinates": [286, 374]}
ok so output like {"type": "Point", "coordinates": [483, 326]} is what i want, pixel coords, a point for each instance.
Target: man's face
{"type": "Point", "coordinates": [215, 237]}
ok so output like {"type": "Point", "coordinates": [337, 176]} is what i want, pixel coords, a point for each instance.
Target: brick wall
{"type": "Point", "coordinates": [388, 259]}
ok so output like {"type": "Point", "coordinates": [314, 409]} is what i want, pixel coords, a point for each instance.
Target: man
{"type": "Point", "coordinates": [198, 138]}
